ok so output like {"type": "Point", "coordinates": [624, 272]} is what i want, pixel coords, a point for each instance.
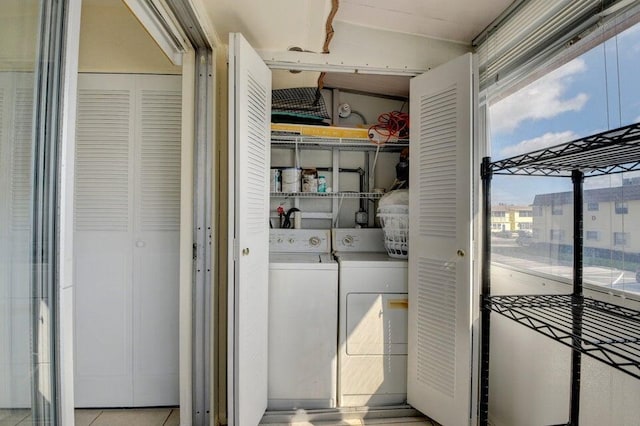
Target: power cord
{"type": "Point", "coordinates": [394, 124]}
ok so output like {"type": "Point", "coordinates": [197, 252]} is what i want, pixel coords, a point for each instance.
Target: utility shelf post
{"type": "Point", "coordinates": [487, 175]}
{"type": "Point", "coordinates": [577, 177]}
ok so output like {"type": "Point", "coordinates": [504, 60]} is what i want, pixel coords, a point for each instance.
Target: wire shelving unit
{"type": "Point", "coordinates": [604, 331]}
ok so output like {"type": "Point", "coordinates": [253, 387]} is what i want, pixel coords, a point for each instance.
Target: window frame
{"type": "Point", "coordinates": [621, 207]}
{"type": "Point", "coordinates": [620, 235]}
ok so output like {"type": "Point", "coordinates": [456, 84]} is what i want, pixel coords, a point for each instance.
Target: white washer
{"type": "Point", "coordinates": [303, 319]}
{"type": "Point", "coordinates": [372, 331]}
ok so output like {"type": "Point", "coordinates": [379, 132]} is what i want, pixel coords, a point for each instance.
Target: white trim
{"type": "Point", "coordinates": [65, 202]}
{"type": "Point", "coordinates": [329, 62]}
{"type": "Point", "coordinates": [215, 233]}
{"type": "Point", "coordinates": [231, 241]}
{"type": "Point", "coordinates": [161, 28]}
{"type": "Point", "coordinates": [186, 237]}
{"type": "Point", "coordinates": [206, 25]}
{"type": "Point", "coordinates": [479, 150]}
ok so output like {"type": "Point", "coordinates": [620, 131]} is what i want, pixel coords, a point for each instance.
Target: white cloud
{"type": "Point", "coordinates": [544, 141]}
{"type": "Point", "coordinates": [542, 99]}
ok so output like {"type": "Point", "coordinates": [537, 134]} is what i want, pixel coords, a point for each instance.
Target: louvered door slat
{"type": "Point", "coordinates": [102, 160]}
{"type": "Point", "coordinates": [438, 147]}
{"type": "Point", "coordinates": [21, 176]}
{"type": "Point", "coordinates": [160, 161]}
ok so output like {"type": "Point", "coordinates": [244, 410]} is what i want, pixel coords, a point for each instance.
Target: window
{"type": "Point", "coordinates": [497, 214]}
{"type": "Point", "coordinates": [525, 213]}
{"type": "Point", "coordinates": [622, 207]}
{"type": "Point", "coordinates": [525, 225]}
{"type": "Point", "coordinates": [620, 238]}
{"type": "Point", "coordinates": [546, 107]}
{"type": "Point", "coordinates": [556, 235]}
{"type": "Point", "coordinates": [591, 235]}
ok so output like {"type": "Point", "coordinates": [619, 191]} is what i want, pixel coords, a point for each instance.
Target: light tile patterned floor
{"type": "Point", "coordinates": [13, 417]}
{"type": "Point", "coordinates": [106, 417]}
{"type": "Point", "coordinates": [400, 421]}
{"type": "Point", "coordinates": [171, 417]}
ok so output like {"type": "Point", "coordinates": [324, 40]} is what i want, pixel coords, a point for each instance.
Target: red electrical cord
{"type": "Point", "coordinates": [390, 124]}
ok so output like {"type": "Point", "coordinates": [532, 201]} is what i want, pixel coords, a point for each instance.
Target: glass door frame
{"type": "Point", "coordinates": [52, 212]}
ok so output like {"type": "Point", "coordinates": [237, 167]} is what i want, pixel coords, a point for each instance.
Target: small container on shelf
{"type": "Point", "coordinates": [322, 184]}
{"type": "Point", "coordinates": [290, 179]}
{"type": "Point", "coordinates": [309, 180]}
{"type": "Point", "coordinates": [275, 184]}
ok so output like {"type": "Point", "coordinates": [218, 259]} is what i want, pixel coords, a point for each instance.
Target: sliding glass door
{"type": "Point", "coordinates": [32, 38]}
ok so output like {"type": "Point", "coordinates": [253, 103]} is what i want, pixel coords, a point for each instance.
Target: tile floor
{"type": "Point", "coordinates": [400, 421]}
{"type": "Point", "coordinates": [171, 417]}
{"type": "Point", "coordinates": [106, 417]}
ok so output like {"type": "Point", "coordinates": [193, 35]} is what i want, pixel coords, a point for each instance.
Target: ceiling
{"type": "Point", "coordinates": [279, 24]}
{"type": "Point", "coordinates": [453, 20]}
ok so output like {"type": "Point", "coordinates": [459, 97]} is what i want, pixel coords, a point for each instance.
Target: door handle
{"type": "Point", "coordinates": [460, 253]}
{"type": "Point", "coordinates": [245, 251]}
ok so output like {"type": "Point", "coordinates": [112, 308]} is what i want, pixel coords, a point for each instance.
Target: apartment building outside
{"type": "Point", "coordinates": [610, 219]}
{"type": "Point", "coordinates": [514, 219]}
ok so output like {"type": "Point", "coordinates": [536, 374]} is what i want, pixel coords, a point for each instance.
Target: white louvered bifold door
{"type": "Point", "coordinates": [127, 204]}
{"type": "Point", "coordinates": [439, 358]}
{"type": "Point", "coordinates": [249, 140]}
{"type": "Point", "coordinates": [102, 241]}
{"type": "Point", "coordinates": [156, 241]}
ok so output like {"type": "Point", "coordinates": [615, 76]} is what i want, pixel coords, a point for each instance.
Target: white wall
{"type": "Point", "coordinates": [18, 22]}
{"type": "Point", "coordinates": [530, 373]}
{"type": "Point", "coordinates": [112, 40]}
{"type": "Point", "coordinates": [377, 48]}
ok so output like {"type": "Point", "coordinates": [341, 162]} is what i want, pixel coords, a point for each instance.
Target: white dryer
{"type": "Point", "coordinates": [372, 330]}
{"type": "Point", "coordinates": [303, 319]}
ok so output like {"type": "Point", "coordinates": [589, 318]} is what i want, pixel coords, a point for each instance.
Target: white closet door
{"type": "Point", "coordinates": [156, 241]}
{"type": "Point", "coordinates": [250, 117]}
{"type": "Point", "coordinates": [126, 240]}
{"type": "Point", "coordinates": [103, 236]}
{"type": "Point", "coordinates": [440, 290]}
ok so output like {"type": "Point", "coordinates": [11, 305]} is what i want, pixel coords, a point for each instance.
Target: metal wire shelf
{"type": "Point", "coordinates": [613, 151]}
{"type": "Point", "coordinates": [603, 331]}
{"type": "Point", "coordinates": [606, 332]}
{"type": "Point", "coordinates": [289, 141]}
{"type": "Point", "coordinates": [372, 195]}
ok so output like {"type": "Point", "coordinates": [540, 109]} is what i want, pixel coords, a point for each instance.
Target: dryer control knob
{"type": "Point", "coordinates": [348, 240]}
{"type": "Point", "coordinates": [314, 241]}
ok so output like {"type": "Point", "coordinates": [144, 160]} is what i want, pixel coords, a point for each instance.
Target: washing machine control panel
{"type": "Point", "coordinates": [358, 239]}
{"type": "Point", "coordinates": [299, 241]}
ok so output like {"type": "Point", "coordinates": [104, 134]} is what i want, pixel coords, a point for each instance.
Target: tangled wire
{"type": "Point", "coordinates": [394, 124]}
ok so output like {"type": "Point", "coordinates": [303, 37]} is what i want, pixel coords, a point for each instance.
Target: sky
{"type": "Point", "coordinates": [581, 98]}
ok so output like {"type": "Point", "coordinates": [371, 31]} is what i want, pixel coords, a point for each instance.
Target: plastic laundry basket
{"type": "Point", "coordinates": [394, 219]}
